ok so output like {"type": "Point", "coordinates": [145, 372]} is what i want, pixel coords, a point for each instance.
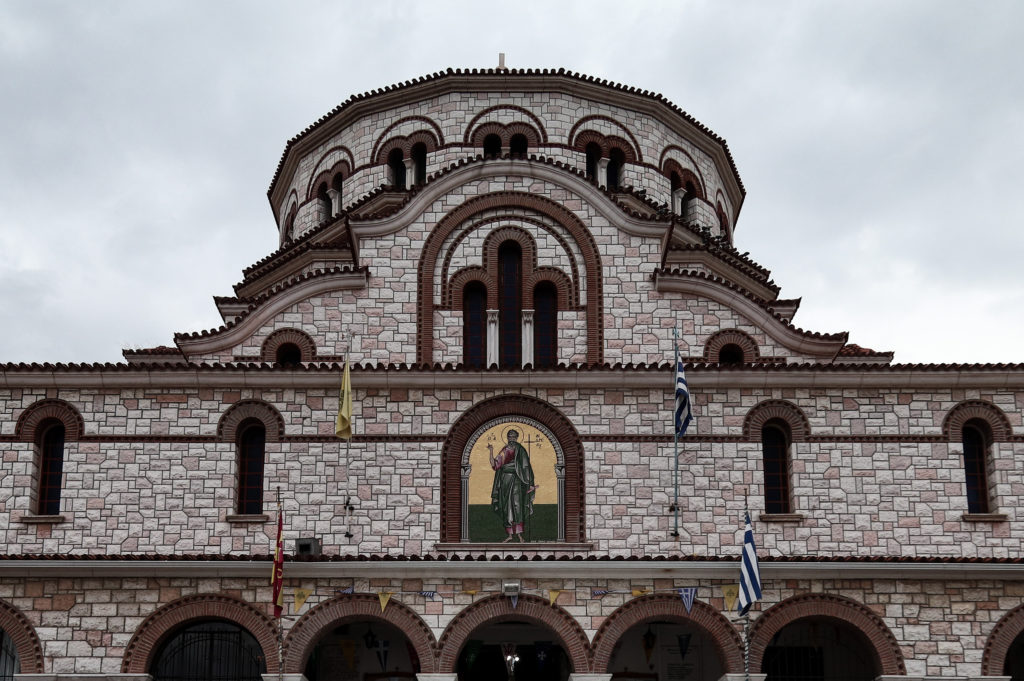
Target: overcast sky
{"type": "Point", "coordinates": [881, 145]}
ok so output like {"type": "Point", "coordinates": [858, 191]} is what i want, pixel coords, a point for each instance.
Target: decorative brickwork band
{"type": "Point", "coordinates": [164, 622]}
{"type": "Point", "coordinates": [506, 132]}
{"type": "Point", "coordinates": [580, 140]}
{"type": "Point", "coordinates": [511, 406]}
{"type": "Point", "coordinates": [325, 617]}
{"type": "Point", "coordinates": [1006, 631]}
{"type": "Point", "coordinates": [300, 339]}
{"type": "Point", "coordinates": [471, 136]}
{"type": "Point", "coordinates": [953, 424]}
{"type": "Point", "coordinates": [510, 201]}
{"type": "Point", "coordinates": [496, 609]}
{"type": "Point", "coordinates": [430, 134]}
{"type": "Point", "coordinates": [668, 607]}
{"type": "Point", "coordinates": [23, 636]}
{"type": "Point", "coordinates": [799, 426]}
{"type": "Point", "coordinates": [27, 428]}
{"type": "Point", "coordinates": [717, 341]}
{"type": "Point", "coordinates": [273, 422]}
{"type": "Point", "coordinates": [685, 176]}
{"type": "Point", "coordinates": [888, 658]}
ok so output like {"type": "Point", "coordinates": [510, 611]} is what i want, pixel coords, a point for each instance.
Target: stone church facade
{"type": "Point", "coordinates": [494, 251]}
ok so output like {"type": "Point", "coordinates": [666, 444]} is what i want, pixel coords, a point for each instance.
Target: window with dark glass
{"type": "Point", "coordinates": [616, 160]}
{"type": "Point", "coordinates": [214, 650]}
{"type": "Point", "coordinates": [336, 184]}
{"type": "Point", "coordinates": [51, 467]}
{"type": "Point", "coordinates": [730, 354]}
{"type": "Point", "coordinates": [419, 162]}
{"type": "Point", "coordinates": [976, 444]}
{"type": "Point", "coordinates": [9, 665]}
{"type": "Point", "coordinates": [474, 320]}
{"type": "Point", "coordinates": [288, 354]}
{"type": "Point", "coordinates": [252, 439]}
{"type": "Point", "coordinates": [545, 325]}
{"type": "Point", "coordinates": [510, 304]}
{"type": "Point", "coordinates": [396, 167]}
{"type": "Point", "coordinates": [690, 192]}
{"type": "Point", "coordinates": [775, 449]}
{"type": "Point", "coordinates": [593, 151]}
{"type": "Point", "coordinates": [518, 145]}
{"type": "Point", "coordinates": [492, 145]}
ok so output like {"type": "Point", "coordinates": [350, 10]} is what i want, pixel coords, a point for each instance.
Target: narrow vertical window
{"type": "Point", "coordinates": [545, 325]}
{"type": "Point", "coordinates": [510, 305]}
{"type": "Point", "coordinates": [9, 665]}
{"type": "Point", "coordinates": [337, 184]}
{"type": "Point", "coordinates": [419, 161]}
{"type": "Point", "coordinates": [616, 160]}
{"type": "Point", "coordinates": [593, 151]}
{"type": "Point", "coordinates": [51, 468]}
{"type": "Point", "coordinates": [492, 145]}
{"type": "Point", "coordinates": [976, 441]}
{"type": "Point", "coordinates": [323, 200]}
{"type": "Point", "coordinates": [252, 439]}
{"type": "Point", "coordinates": [775, 448]}
{"type": "Point", "coordinates": [688, 197]}
{"type": "Point", "coordinates": [474, 325]}
{"type": "Point", "coordinates": [518, 145]}
{"type": "Point", "coordinates": [396, 169]}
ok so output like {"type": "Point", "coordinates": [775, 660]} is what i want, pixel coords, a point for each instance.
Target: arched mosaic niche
{"type": "Point", "coordinates": [492, 498]}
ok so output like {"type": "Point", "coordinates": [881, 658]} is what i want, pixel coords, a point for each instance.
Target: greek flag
{"type": "Point", "coordinates": [683, 413]}
{"type": "Point", "coordinates": [750, 577]}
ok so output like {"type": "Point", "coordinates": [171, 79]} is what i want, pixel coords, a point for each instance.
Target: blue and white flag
{"type": "Point", "coordinates": [750, 576]}
{"type": "Point", "coordinates": [688, 593]}
{"type": "Point", "coordinates": [683, 413]}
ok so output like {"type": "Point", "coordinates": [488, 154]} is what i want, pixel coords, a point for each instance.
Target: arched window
{"type": "Point", "coordinates": [977, 438]}
{"type": "Point", "coordinates": [518, 145]}
{"type": "Point", "coordinates": [510, 305]}
{"type": "Point", "coordinates": [545, 325]}
{"type": "Point", "coordinates": [492, 145]}
{"type": "Point", "coordinates": [213, 649]}
{"type": "Point", "coordinates": [396, 169]}
{"type": "Point", "coordinates": [616, 160]}
{"type": "Point", "coordinates": [775, 439]}
{"type": "Point", "coordinates": [474, 321]}
{"type": "Point", "coordinates": [50, 443]}
{"type": "Point", "coordinates": [323, 200]}
{"type": "Point", "coordinates": [593, 151]}
{"type": "Point", "coordinates": [419, 162]}
{"type": "Point", "coordinates": [289, 354]}
{"type": "Point", "coordinates": [9, 665]}
{"type": "Point", "coordinates": [730, 353]}
{"type": "Point", "coordinates": [251, 446]}
{"type": "Point", "coordinates": [690, 192]}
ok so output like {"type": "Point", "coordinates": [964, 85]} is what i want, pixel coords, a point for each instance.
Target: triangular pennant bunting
{"type": "Point", "coordinates": [301, 596]}
{"type": "Point", "coordinates": [597, 593]}
{"type": "Point", "coordinates": [349, 590]}
{"type": "Point", "coordinates": [429, 595]}
{"type": "Point", "coordinates": [384, 597]}
{"type": "Point", "coordinates": [515, 600]}
{"type": "Point", "coordinates": [553, 595]}
{"type": "Point", "coordinates": [730, 592]}
{"type": "Point", "coordinates": [471, 592]}
{"type": "Point", "coordinates": [688, 593]}
{"type": "Point", "coordinates": [638, 592]}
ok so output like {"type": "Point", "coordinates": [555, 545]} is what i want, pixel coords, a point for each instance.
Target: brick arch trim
{"type": "Point", "coordinates": [728, 642]}
{"type": "Point", "coordinates": [799, 426]}
{"type": "Point", "coordinates": [27, 428]}
{"type": "Point", "coordinates": [447, 282]}
{"type": "Point", "coordinates": [23, 635]}
{"type": "Point", "coordinates": [431, 125]}
{"type": "Point", "coordinates": [459, 280]}
{"type": "Point", "coordinates": [498, 608]}
{"type": "Point", "coordinates": [227, 428]}
{"type": "Point", "coordinates": [498, 200]}
{"type": "Point", "coordinates": [511, 405]}
{"type": "Point", "coordinates": [302, 638]}
{"type": "Point", "coordinates": [888, 655]}
{"type": "Point", "coordinates": [306, 345]}
{"type": "Point", "coordinates": [607, 143]}
{"type": "Point", "coordinates": [162, 623]}
{"type": "Point", "coordinates": [471, 128]}
{"type": "Point", "coordinates": [554, 276]}
{"type": "Point", "coordinates": [1006, 631]}
{"type": "Point", "coordinates": [637, 155]}
{"type": "Point", "coordinates": [326, 176]}
{"type": "Point", "coordinates": [506, 132]}
{"type": "Point", "coordinates": [685, 175]}
{"type": "Point", "coordinates": [953, 424]}
{"type": "Point", "coordinates": [719, 340]}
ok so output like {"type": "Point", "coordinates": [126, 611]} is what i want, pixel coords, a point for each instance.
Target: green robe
{"type": "Point", "coordinates": [510, 497]}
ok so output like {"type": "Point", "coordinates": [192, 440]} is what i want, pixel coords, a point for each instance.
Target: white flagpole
{"type": "Point", "coordinates": [675, 429]}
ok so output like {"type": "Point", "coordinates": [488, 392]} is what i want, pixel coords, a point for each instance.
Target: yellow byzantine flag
{"type": "Point", "coordinates": [343, 426]}
{"type": "Point", "coordinates": [384, 597]}
{"type": "Point", "coordinates": [553, 595]}
{"type": "Point", "coordinates": [301, 596]}
{"type": "Point", "coordinates": [730, 592]}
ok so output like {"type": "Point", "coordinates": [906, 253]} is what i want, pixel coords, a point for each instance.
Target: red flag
{"type": "Point", "coordinates": [277, 579]}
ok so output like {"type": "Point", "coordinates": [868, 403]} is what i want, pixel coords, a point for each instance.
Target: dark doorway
{"type": "Point", "coordinates": [535, 651]}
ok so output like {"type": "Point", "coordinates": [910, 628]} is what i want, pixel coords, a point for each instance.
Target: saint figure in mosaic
{"type": "Point", "coordinates": [513, 488]}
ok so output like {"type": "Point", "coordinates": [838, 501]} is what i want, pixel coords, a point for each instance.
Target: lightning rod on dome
{"type": "Point", "coordinates": [501, 62]}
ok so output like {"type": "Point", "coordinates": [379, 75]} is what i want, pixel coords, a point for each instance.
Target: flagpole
{"type": "Point", "coordinates": [280, 621]}
{"type": "Point", "coordinates": [675, 470]}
